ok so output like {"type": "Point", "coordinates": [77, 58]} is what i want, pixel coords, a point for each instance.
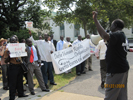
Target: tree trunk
{"type": "Point", "coordinates": [85, 29]}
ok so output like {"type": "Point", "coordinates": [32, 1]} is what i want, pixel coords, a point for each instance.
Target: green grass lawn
{"type": "Point", "coordinates": [61, 80]}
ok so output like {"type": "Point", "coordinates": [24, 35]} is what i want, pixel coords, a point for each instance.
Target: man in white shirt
{"type": "Point", "coordinates": [60, 43]}
{"type": "Point", "coordinates": [89, 60]}
{"type": "Point", "coordinates": [66, 45]}
{"type": "Point", "coordinates": [45, 49]}
{"type": "Point", "coordinates": [102, 48]}
{"type": "Point", "coordinates": [81, 66]}
{"type": "Point", "coordinates": [49, 49]}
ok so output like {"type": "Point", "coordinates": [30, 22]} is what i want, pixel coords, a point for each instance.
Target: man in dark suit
{"type": "Point", "coordinates": [34, 63]}
{"type": "Point", "coordinates": [53, 41]}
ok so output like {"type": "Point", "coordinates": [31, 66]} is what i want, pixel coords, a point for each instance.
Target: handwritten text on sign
{"type": "Point", "coordinates": [68, 58]}
{"type": "Point", "coordinates": [17, 50]}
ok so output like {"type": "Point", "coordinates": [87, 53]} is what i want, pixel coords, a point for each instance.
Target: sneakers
{"type": "Point", "coordinates": [90, 70]}
{"type": "Point", "coordinates": [32, 93]}
{"type": "Point", "coordinates": [5, 88]}
{"type": "Point", "coordinates": [53, 83]}
{"type": "Point", "coordinates": [46, 90]}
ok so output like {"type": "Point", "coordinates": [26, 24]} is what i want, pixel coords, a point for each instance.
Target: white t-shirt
{"type": "Point", "coordinates": [44, 49]}
{"type": "Point", "coordinates": [102, 48]}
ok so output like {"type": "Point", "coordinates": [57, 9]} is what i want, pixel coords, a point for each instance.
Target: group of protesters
{"type": "Point", "coordinates": [39, 61]}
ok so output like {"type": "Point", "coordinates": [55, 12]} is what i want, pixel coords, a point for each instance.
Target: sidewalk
{"type": "Point", "coordinates": [68, 96]}
{"type": "Point", "coordinates": [4, 94]}
{"type": "Point", "coordinates": [55, 95]}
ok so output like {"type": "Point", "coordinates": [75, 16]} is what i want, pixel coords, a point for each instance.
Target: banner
{"type": "Point", "coordinates": [17, 49]}
{"type": "Point", "coordinates": [68, 58]}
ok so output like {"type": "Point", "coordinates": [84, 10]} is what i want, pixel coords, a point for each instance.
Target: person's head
{"type": "Point", "coordinates": [51, 36]}
{"type": "Point", "coordinates": [40, 37]}
{"type": "Point", "coordinates": [61, 38]}
{"type": "Point", "coordinates": [16, 37]}
{"type": "Point", "coordinates": [79, 37]}
{"type": "Point", "coordinates": [29, 42]}
{"type": "Point", "coordinates": [88, 36]}
{"type": "Point", "coordinates": [117, 24]}
{"type": "Point", "coordinates": [13, 40]}
{"type": "Point", "coordinates": [68, 39]}
{"type": "Point", "coordinates": [23, 41]}
{"type": "Point", "coordinates": [2, 41]}
{"type": "Point", "coordinates": [46, 37]}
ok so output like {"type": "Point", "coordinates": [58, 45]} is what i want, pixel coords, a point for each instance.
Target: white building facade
{"type": "Point", "coordinates": [69, 30]}
{"type": "Point", "coordinates": [72, 31]}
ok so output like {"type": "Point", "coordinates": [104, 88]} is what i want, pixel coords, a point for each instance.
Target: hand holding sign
{"type": "Point", "coordinates": [30, 33]}
{"type": "Point", "coordinates": [17, 50]}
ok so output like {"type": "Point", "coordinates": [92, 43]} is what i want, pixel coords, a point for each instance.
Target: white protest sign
{"type": "Point", "coordinates": [29, 24]}
{"type": "Point", "coordinates": [68, 58]}
{"type": "Point", "coordinates": [17, 49]}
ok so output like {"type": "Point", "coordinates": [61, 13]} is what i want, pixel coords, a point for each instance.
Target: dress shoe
{"type": "Point", "coordinates": [46, 86]}
{"type": "Point", "coordinates": [90, 70]}
{"type": "Point", "coordinates": [83, 72]}
{"type": "Point", "coordinates": [46, 90]}
{"type": "Point", "coordinates": [102, 84]}
{"type": "Point", "coordinates": [5, 88]}
{"type": "Point", "coordinates": [23, 96]}
{"type": "Point", "coordinates": [53, 83]}
{"type": "Point", "coordinates": [32, 93]}
{"type": "Point", "coordinates": [78, 74]}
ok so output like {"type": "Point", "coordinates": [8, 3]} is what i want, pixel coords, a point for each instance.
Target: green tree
{"type": "Point", "coordinates": [14, 13]}
{"type": "Point", "coordinates": [82, 14]}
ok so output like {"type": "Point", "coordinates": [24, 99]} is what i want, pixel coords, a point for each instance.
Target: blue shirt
{"type": "Point", "coordinates": [59, 45]}
{"type": "Point", "coordinates": [34, 53]}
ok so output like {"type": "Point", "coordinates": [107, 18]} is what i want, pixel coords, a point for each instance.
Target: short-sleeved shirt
{"type": "Point", "coordinates": [116, 53]}
{"type": "Point", "coordinates": [12, 60]}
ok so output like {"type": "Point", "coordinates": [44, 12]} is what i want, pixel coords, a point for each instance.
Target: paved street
{"type": "Point", "coordinates": [89, 83]}
{"type": "Point", "coordinates": [84, 87]}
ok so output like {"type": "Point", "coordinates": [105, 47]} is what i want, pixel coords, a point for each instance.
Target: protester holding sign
{"type": "Point", "coordinates": [48, 67]}
{"type": "Point", "coordinates": [15, 74]}
{"type": "Point", "coordinates": [81, 66]}
{"type": "Point", "coordinates": [60, 43]}
{"type": "Point", "coordinates": [66, 45]}
{"type": "Point", "coordinates": [45, 49]}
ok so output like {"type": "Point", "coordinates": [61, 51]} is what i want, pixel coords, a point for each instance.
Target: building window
{"type": "Point", "coordinates": [76, 30]}
{"type": "Point", "coordinates": [62, 30]}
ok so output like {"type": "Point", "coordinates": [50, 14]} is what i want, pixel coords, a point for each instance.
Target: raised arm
{"type": "Point", "coordinates": [100, 29]}
{"type": "Point", "coordinates": [32, 39]}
